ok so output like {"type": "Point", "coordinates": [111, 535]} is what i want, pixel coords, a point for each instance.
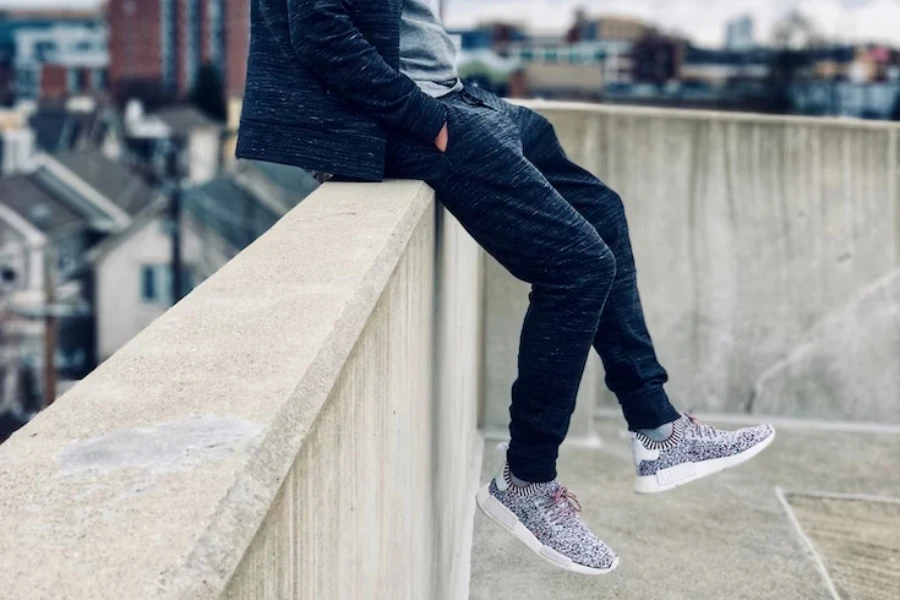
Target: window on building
{"type": "Point", "coordinates": [164, 277]}
{"type": "Point", "coordinates": [158, 285]}
{"type": "Point", "coordinates": [27, 82]}
{"type": "Point", "coordinates": [148, 284]}
{"type": "Point", "coordinates": [188, 280]}
{"type": "Point", "coordinates": [98, 79]}
{"type": "Point", "coordinates": [73, 80]}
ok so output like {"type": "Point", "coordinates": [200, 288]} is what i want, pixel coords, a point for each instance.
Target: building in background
{"type": "Point", "coordinates": [79, 124]}
{"type": "Point", "coordinates": [590, 29]}
{"type": "Point", "coordinates": [16, 142]}
{"type": "Point", "coordinates": [657, 58]}
{"type": "Point", "coordinates": [133, 270]}
{"type": "Point", "coordinates": [739, 33]}
{"type": "Point", "coordinates": [573, 70]}
{"type": "Point", "coordinates": [719, 68]}
{"type": "Point", "coordinates": [60, 62]}
{"type": "Point", "coordinates": [161, 44]}
{"type": "Point", "coordinates": [52, 55]}
{"type": "Point", "coordinates": [619, 28]}
{"type": "Point", "coordinates": [146, 134]}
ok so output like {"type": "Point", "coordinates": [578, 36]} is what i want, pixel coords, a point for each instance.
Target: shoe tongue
{"type": "Point", "coordinates": [543, 489]}
{"type": "Point", "coordinates": [532, 489]}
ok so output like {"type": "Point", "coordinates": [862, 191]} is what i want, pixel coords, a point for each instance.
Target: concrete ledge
{"type": "Point", "coordinates": [622, 110]}
{"type": "Point", "coordinates": [152, 477]}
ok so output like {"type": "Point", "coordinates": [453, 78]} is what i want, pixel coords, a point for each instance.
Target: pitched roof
{"type": "Point", "coordinates": [23, 194]}
{"type": "Point", "coordinates": [124, 187]}
{"type": "Point", "coordinates": [49, 126]}
{"type": "Point", "coordinates": [298, 182]}
{"type": "Point", "coordinates": [280, 187]}
{"type": "Point", "coordinates": [183, 117]}
{"type": "Point", "coordinates": [229, 210]}
{"type": "Point", "coordinates": [57, 129]}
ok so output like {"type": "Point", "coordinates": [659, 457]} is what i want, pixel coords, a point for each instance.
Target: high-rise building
{"type": "Point", "coordinates": [165, 42]}
{"type": "Point", "coordinates": [739, 33]}
{"type": "Point", "coordinates": [236, 44]}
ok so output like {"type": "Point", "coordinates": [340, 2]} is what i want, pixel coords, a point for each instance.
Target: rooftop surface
{"type": "Point", "coordinates": [184, 118]}
{"type": "Point", "coordinates": [114, 180]}
{"type": "Point", "coordinates": [36, 205]}
{"type": "Point", "coordinates": [816, 516]}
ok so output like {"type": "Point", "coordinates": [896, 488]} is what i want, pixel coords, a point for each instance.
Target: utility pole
{"type": "Point", "coordinates": [49, 326]}
{"type": "Point", "coordinates": [174, 176]}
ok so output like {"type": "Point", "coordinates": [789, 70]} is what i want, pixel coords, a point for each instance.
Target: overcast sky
{"type": "Point", "coordinates": [702, 20]}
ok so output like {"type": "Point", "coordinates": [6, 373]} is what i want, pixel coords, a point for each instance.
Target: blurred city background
{"type": "Point", "coordinates": [769, 262]}
{"type": "Point", "coordinates": [118, 122]}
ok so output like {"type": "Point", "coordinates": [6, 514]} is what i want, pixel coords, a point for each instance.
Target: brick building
{"type": "Point", "coordinates": [165, 42]}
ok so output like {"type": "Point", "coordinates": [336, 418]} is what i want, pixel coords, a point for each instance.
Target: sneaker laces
{"type": "Point", "coordinates": [703, 430]}
{"type": "Point", "coordinates": [564, 504]}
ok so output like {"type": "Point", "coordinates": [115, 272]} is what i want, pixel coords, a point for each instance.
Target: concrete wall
{"type": "Point", "coordinates": [766, 251]}
{"type": "Point", "coordinates": [303, 425]}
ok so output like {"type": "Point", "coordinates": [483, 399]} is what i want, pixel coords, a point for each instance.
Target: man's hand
{"type": "Point", "coordinates": [441, 140]}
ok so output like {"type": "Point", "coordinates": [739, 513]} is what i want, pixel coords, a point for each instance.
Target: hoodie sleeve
{"type": "Point", "coordinates": [328, 43]}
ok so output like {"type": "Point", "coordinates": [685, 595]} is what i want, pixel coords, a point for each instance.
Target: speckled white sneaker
{"type": "Point", "coordinates": [544, 516]}
{"type": "Point", "coordinates": [695, 450]}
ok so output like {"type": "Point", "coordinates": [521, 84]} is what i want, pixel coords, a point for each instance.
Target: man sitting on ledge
{"type": "Point", "coordinates": [359, 90]}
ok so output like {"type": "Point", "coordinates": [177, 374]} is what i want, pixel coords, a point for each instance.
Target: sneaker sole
{"type": "Point", "coordinates": [495, 511]}
{"type": "Point", "coordinates": [673, 477]}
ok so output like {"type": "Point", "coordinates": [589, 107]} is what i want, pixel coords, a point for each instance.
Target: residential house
{"type": "Point", "coordinates": [21, 269]}
{"type": "Point", "coordinates": [16, 143]}
{"type": "Point", "coordinates": [133, 270]}
{"type": "Point", "coordinates": [107, 236]}
{"type": "Point", "coordinates": [113, 181]}
{"type": "Point", "coordinates": [50, 219]}
{"type": "Point", "coordinates": [203, 137]}
{"type": "Point", "coordinates": [38, 231]}
{"type": "Point", "coordinates": [77, 125]}
{"type": "Point", "coordinates": [276, 186]}
{"type": "Point", "coordinates": [28, 213]}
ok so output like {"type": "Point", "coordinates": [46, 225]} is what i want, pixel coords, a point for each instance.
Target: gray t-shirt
{"type": "Point", "coordinates": [427, 54]}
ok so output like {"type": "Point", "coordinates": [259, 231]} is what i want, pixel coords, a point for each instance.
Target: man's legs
{"type": "Point", "coordinates": [623, 342]}
{"type": "Point", "coordinates": [684, 450]}
{"type": "Point", "coordinates": [519, 218]}
{"type": "Point", "coordinates": [510, 208]}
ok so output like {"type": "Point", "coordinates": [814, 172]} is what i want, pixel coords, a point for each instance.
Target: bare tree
{"type": "Point", "coordinates": [796, 31]}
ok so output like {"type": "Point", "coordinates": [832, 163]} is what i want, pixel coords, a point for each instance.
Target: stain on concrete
{"type": "Point", "coordinates": [168, 447]}
{"type": "Point", "coordinates": [858, 540]}
{"type": "Point", "coordinates": [846, 367]}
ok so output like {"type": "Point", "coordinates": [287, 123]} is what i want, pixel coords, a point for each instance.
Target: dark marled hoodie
{"type": "Point", "coordinates": [324, 90]}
